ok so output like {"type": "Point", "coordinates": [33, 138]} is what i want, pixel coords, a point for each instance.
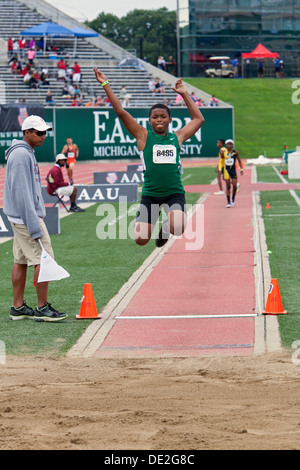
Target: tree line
{"type": "Point", "coordinates": [148, 33]}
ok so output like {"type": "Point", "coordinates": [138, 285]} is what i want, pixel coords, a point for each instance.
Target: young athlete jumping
{"type": "Point", "coordinates": [159, 150]}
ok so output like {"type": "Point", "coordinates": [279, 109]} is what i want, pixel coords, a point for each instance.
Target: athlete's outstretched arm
{"type": "Point", "coordinates": [137, 131]}
{"type": "Point", "coordinates": [197, 118]}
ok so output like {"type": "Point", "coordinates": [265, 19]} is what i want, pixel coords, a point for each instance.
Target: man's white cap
{"type": "Point", "coordinates": [35, 122]}
{"type": "Point", "coordinates": [60, 156]}
{"type": "Point", "coordinates": [229, 141]}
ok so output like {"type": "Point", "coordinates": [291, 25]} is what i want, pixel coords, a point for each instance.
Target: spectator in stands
{"type": "Point", "coordinates": [31, 44]}
{"type": "Point", "coordinates": [198, 102]}
{"type": "Point", "coordinates": [69, 72]}
{"type": "Point", "coordinates": [22, 46]}
{"type": "Point", "coordinates": [213, 101]}
{"type": "Point", "coordinates": [40, 44]}
{"type": "Point", "coordinates": [61, 70]}
{"type": "Point", "coordinates": [124, 96]}
{"type": "Point", "coordinates": [65, 92]}
{"type": "Point", "coordinates": [194, 98]}
{"type": "Point", "coordinates": [72, 90]}
{"type": "Point", "coordinates": [159, 87]}
{"type": "Point", "coordinates": [90, 103]}
{"type": "Point", "coordinates": [100, 101]}
{"type": "Point", "coordinates": [27, 77]}
{"type": "Point", "coordinates": [171, 65]}
{"type": "Point", "coordinates": [13, 67]}
{"type": "Point", "coordinates": [37, 76]}
{"type": "Point", "coordinates": [25, 70]}
{"type": "Point", "coordinates": [75, 103]}
{"type": "Point", "coordinates": [33, 81]}
{"type": "Point", "coordinates": [76, 73]}
{"type": "Point", "coordinates": [78, 95]}
{"type": "Point", "coordinates": [16, 48]}
{"type": "Point", "coordinates": [56, 183]}
{"type": "Point", "coordinates": [179, 101]}
{"type": "Point", "coordinates": [151, 85]}
{"type": "Point", "coordinates": [44, 76]}
{"type": "Point", "coordinates": [10, 51]}
{"type": "Point", "coordinates": [161, 63]}
{"type": "Point", "coordinates": [31, 55]}
{"type": "Point", "coordinates": [49, 99]}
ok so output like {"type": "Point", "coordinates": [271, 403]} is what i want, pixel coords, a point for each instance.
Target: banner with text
{"type": "Point", "coordinates": [100, 135]}
{"type": "Point", "coordinates": [51, 220]}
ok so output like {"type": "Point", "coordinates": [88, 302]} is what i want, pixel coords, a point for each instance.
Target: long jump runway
{"type": "Point", "coordinates": [196, 302]}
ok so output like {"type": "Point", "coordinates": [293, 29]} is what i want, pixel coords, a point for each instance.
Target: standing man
{"type": "Point", "coordinates": [72, 152]}
{"type": "Point", "coordinates": [230, 174]}
{"type": "Point", "coordinates": [56, 183]}
{"type": "Point", "coordinates": [24, 206]}
{"type": "Point", "coordinates": [220, 166]}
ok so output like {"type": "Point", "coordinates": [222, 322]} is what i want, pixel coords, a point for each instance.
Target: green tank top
{"type": "Point", "coordinates": [162, 165]}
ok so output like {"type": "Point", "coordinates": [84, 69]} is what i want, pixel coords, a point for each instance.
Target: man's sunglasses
{"type": "Point", "coordinates": [39, 133]}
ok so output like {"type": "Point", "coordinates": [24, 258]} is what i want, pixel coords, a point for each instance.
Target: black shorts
{"type": "Point", "coordinates": [232, 172]}
{"type": "Point", "coordinates": [150, 207]}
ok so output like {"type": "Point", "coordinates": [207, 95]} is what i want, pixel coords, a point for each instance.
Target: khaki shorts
{"type": "Point", "coordinates": [65, 191]}
{"type": "Point", "coordinates": [26, 250]}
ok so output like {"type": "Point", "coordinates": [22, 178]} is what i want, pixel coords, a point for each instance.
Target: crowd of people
{"type": "Point", "coordinates": [21, 59]}
{"type": "Point", "coordinates": [157, 86]}
{"type": "Point", "coordinates": [22, 62]}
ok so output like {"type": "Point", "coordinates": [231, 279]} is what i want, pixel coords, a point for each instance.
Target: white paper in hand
{"type": "Point", "coordinates": [49, 269]}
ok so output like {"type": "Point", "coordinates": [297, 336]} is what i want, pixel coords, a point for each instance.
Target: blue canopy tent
{"type": "Point", "coordinates": [82, 33]}
{"type": "Point", "coordinates": [54, 30]}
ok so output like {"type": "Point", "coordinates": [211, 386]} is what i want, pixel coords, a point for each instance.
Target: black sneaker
{"type": "Point", "coordinates": [163, 237]}
{"type": "Point", "coordinates": [22, 313]}
{"type": "Point", "coordinates": [76, 209]}
{"type": "Point", "coordinates": [49, 314]}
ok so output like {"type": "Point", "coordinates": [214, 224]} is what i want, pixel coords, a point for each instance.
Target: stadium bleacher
{"type": "Point", "coordinates": [16, 17]}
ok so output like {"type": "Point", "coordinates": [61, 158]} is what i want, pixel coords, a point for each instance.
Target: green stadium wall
{"type": "Point", "coordinates": [100, 135]}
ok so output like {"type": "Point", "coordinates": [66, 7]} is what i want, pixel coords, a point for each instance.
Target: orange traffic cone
{"type": "Point", "coordinates": [274, 303]}
{"type": "Point", "coordinates": [88, 309]}
{"type": "Point", "coordinates": [268, 206]}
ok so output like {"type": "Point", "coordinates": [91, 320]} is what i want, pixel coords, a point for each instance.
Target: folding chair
{"type": "Point", "coordinates": [59, 199]}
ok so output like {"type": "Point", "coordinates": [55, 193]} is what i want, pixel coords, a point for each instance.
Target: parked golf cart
{"type": "Point", "coordinates": [220, 68]}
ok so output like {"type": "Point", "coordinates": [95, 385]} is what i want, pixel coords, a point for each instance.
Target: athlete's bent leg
{"type": "Point", "coordinates": [142, 233]}
{"type": "Point", "coordinates": [177, 221]}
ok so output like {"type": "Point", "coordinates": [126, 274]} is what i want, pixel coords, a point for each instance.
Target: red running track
{"type": "Point", "coordinates": [216, 280]}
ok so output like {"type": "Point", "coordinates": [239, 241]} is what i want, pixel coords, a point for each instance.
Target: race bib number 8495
{"type": "Point", "coordinates": [164, 154]}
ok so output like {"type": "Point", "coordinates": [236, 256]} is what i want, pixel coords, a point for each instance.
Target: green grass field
{"type": "Point", "coordinates": [106, 264]}
{"type": "Point", "coordinates": [264, 114]}
{"type": "Point", "coordinates": [282, 225]}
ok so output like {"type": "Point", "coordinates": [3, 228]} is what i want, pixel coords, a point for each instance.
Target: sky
{"type": "Point", "coordinates": [82, 10]}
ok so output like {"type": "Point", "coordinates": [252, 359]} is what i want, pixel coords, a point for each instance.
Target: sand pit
{"type": "Point", "coordinates": [150, 404]}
